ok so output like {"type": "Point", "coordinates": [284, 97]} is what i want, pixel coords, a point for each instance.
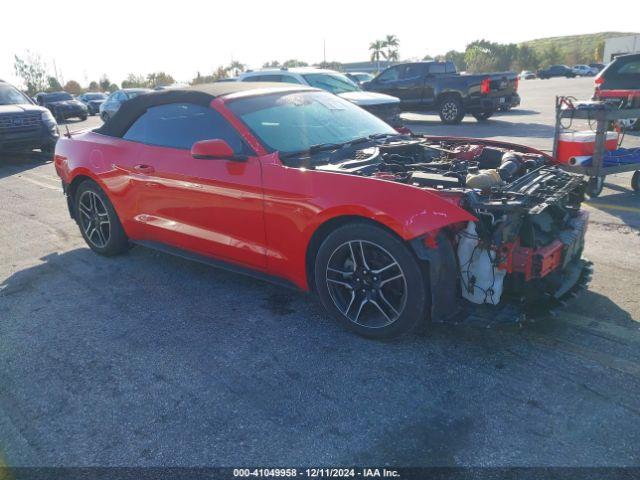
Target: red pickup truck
{"type": "Point", "coordinates": [620, 82]}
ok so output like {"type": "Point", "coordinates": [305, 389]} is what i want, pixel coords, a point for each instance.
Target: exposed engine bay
{"type": "Point", "coordinates": [530, 227]}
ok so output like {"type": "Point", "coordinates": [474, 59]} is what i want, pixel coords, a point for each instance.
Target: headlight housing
{"type": "Point", "coordinates": [48, 118]}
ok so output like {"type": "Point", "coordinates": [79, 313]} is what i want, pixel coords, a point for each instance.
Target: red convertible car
{"type": "Point", "coordinates": [302, 187]}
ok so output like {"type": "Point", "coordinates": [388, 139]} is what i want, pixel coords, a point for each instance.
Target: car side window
{"type": "Point", "coordinates": [271, 78]}
{"type": "Point", "coordinates": [254, 78]}
{"type": "Point", "coordinates": [180, 125]}
{"type": "Point", "coordinates": [390, 74]}
{"type": "Point", "coordinates": [631, 68]}
{"type": "Point", "coordinates": [289, 79]}
{"type": "Point", "coordinates": [437, 67]}
{"type": "Point", "coordinates": [412, 71]}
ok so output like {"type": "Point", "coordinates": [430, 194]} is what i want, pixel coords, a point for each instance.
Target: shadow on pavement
{"type": "Point", "coordinates": [624, 205]}
{"type": "Point", "coordinates": [13, 163]}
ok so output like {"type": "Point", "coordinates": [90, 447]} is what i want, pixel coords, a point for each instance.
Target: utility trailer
{"type": "Point", "coordinates": [602, 113]}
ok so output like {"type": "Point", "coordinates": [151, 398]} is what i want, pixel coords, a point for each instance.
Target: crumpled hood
{"type": "Point", "coordinates": [23, 108]}
{"type": "Point", "coordinates": [369, 98]}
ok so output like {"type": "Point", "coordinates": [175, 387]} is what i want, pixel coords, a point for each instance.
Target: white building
{"type": "Point", "coordinates": [620, 46]}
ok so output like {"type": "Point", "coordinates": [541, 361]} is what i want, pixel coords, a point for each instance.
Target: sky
{"type": "Point", "coordinates": [84, 40]}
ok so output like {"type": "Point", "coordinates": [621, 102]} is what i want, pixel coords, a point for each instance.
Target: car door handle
{"type": "Point", "coordinates": [141, 168]}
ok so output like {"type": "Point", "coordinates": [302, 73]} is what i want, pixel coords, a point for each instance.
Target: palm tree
{"type": "Point", "coordinates": [391, 43]}
{"type": "Point", "coordinates": [377, 51]}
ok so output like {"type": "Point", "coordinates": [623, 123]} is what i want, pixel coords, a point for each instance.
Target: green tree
{"type": "Point", "coordinates": [427, 58]}
{"type": "Point", "coordinates": [73, 87]}
{"type": "Point", "coordinates": [105, 83]}
{"type": "Point", "coordinates": [479, 59]}
{"type": "Point", "coordinates": [134, 81]}
{"type": "Point", "coordinates": [93, 86]}
{"type": "Point", "coordinates": [526, 59]}
{"type": "Point", "coordinates": [159, 79]}
{"type": "Point", "coordinates": [221, 73]}
{"type": "Point", "coordinates": [31, 70]}
{"type": "Point", "coordinates": [551, 55]}
{"type": "Point", "coordinates": [377, 52]}
{"type": "Point", "coordinates": [112, 88]}
{"type": "Point", "coordinates": [53, 84]}
{"type": "Point", "coordinates": [272, 64]}
{"type": "Point", "coordinates": [294, 63]}
{"type": "Point", "coordinates": [391, 43]}
{"type": "Point", "coordinates": [457, 58]}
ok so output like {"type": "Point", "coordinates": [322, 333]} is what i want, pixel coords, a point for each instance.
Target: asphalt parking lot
{"type": "Point", "coordinates": [147, 359]}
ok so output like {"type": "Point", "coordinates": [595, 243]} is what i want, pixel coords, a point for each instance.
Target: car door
{"type": "Point", "coordinates": [213, 207]}
{"type": "Point", "coordinates": [410, 85]}
{"type": "Point", "coordinates": [387, 81]}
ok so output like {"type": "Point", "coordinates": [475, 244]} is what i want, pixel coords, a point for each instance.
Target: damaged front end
{"type": "Point", "coordinates": [525, 247]}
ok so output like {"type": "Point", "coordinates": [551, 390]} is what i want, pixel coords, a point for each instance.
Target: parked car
{"type": "Point", "coordinates": [619, 82]}
{"type": "Point", "coordinates": [436, 86]}
{"type": "Point", "coordinates": [556, 71]}
{"type": "Point", "coordinates": [597, 66]}
{"type": "Point", "coordinates": [62, 105]}
{"type": "Point", "coordinates": [527, 75]}
{"type": "Point", "coordinates": [384, 106]}
{"type": "Point", "coordinates": [113, 102]}
{"type": "Point", "coordinates": [584, 71]}
{"type": "Point", "coordinates": [302, 187]}
{"type": "Point", "coordinates": [93, 100]}
{"type": "Point", "coordinates": [24, 126]}
{"type": "Point", "coordinates": [359, 77]}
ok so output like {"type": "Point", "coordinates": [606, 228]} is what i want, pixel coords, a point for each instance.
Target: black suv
{"type": "Point", "coordinates": [619, 83]}
{"type": "Point", "coordinates": [557, 71]}
{"type": "Point", "coordinates": [23, 125]}
{"type": "Point", "coordinates": [62, 105]}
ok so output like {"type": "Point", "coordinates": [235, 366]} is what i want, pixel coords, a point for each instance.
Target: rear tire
{"type": "Point", "coordinates": [99, 224]}
{"type": "Point", "coordinates": [104, 117]}
{"type": "Point", "coordinates": [82, 118]}
{"type": "Point", "coordinates": [451, 110]}
{"type": "Point", "coordinates": [369, 280]}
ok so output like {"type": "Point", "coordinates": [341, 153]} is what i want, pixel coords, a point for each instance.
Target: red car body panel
{"type": "Point", "coordinates": [256, 213]}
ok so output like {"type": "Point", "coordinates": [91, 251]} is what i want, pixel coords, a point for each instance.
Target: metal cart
{"type": "Point", "coordinates": [602, 114]}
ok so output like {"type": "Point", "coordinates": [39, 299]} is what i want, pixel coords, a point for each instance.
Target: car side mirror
{"type": "Point", "coordinates": [214, 149]}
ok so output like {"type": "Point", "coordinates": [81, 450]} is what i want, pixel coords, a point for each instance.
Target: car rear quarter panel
{"type": "Point", "coordinates": [299, 201]}
{"type": "Point", "coordinates": [95, 156]}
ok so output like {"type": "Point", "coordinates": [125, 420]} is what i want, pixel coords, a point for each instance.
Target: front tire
{"type": "Point", "coordinates": [82, 117]}
{"type": "Point", "coordinates": [451, 110]}
{"type": "Point", "coordinates": [369, 280]}
{"type": "Point", "coordinates": [98, 221]}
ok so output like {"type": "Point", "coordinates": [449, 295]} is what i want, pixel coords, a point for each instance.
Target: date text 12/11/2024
{"type": "Point", "coordinates": [317, 472]}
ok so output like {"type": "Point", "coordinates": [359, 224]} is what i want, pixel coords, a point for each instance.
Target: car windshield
{"type": "Point", "coordinates": [363, 77]}
{"type": "Point", "coordinates": [11, 96]}
{"type": "Point", "coordinates": [295, 122]}
{"type": "Point", "coordinates": [331, 82]}
{"type": "Point", "coordinates": [57, 97]}
{"type": "Point", "coordinates": [95, 96]}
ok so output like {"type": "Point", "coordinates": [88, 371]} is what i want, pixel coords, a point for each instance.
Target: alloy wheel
{"type": "Point", "coordinates": [450, 111]}
{"type": "Point", "coordinates": [366, 284]}
{"type": "Point", "coordinates": [94, 219]}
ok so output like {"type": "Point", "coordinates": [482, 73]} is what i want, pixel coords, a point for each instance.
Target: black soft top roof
{"type": "Point", "coordinates": [130, 110]}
